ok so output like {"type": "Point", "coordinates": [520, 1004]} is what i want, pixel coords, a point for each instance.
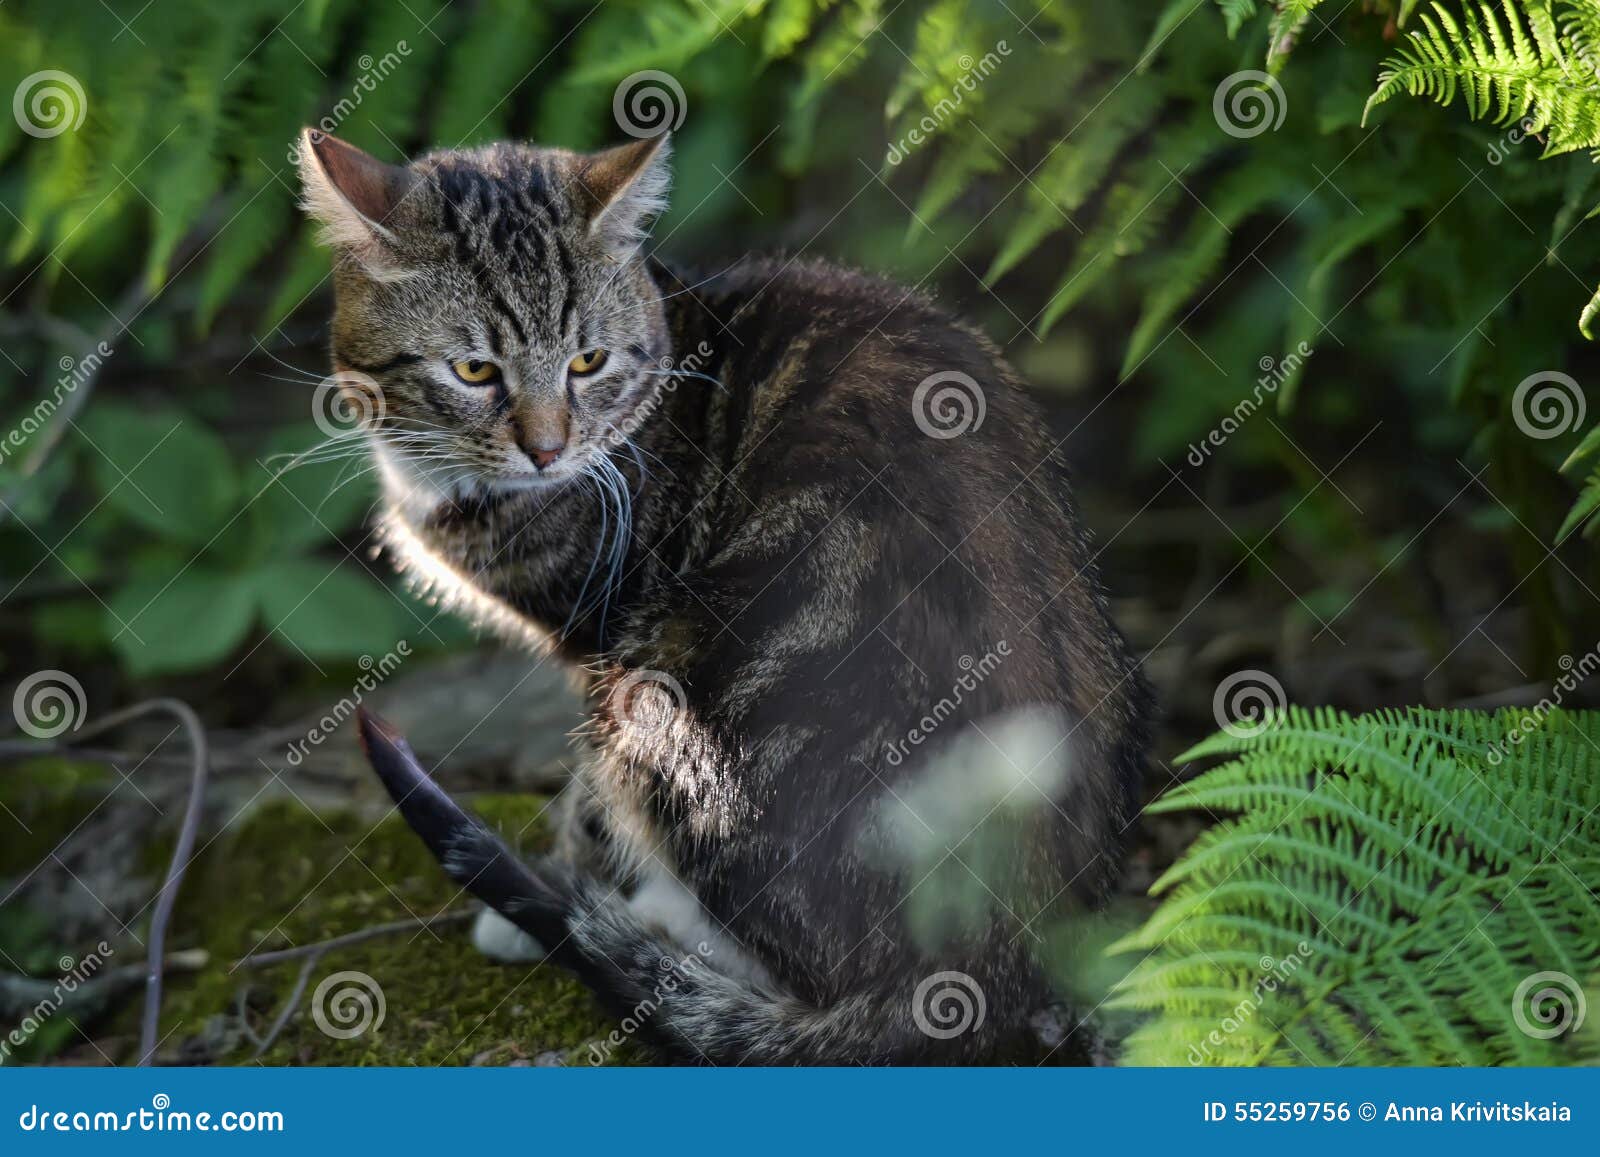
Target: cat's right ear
{"type": "Point", "coordinates": [355, 196]}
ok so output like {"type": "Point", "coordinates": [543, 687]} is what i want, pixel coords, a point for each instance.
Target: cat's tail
{"type": "Point", "coordinates": [678, 995]}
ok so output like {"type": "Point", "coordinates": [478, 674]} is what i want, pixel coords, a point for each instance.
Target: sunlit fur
{"type": "Point", "coordinates": [748, 515]}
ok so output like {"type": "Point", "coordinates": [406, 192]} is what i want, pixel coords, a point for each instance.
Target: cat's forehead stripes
{"type": "Point", "coordinates": [510, 214]}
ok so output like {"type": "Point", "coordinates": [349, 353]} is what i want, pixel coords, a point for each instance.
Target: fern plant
{"type": "Point", "coordinates": [1518, 63]}
{"type": "Point", "coordinates": [1531, 64]}
{"type": "Point", "coordinates": [1081, 193]}
{"type": "Point", "coordinates": [1406, 887]}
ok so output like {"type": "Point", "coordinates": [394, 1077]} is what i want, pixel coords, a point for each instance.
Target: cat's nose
{"type": "Point", "coordinates": [542, 457]}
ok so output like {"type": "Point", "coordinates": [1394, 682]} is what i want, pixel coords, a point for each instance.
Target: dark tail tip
{"type": "Point", "coordinates": [468, 851]}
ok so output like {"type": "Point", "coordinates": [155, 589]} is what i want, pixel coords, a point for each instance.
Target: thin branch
{"type": "Point", "coordinates": [289, 1005]}
{"type": "Point", "coordinates": [168, 895]}
{"type": "Point", "coordinates": [278, 956]}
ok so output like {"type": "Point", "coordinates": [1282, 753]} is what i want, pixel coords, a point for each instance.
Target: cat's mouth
{"type": "Point", "coordinates": [558, 474]}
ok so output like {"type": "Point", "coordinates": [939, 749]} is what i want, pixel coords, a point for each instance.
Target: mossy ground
{"type": "Point", "coordinates": [284, 876]}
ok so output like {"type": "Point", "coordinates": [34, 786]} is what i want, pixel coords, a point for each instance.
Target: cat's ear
{"type": "Point", "coordinates": [620, 190]}
{"type": "Point", "coordinates": [355, 196]}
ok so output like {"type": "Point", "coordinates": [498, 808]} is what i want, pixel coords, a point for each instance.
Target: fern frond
{"type": "Point", "coordinates": [1383, 889]}
{"type": "Point", "coordinates": [1507, 64]}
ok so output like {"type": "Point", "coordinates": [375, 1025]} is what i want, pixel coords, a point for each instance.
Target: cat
{"type": "Point", "coordinates": [770, 516]}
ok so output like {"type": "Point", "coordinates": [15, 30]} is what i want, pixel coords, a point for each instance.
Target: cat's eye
{"type": "Point", "coordinates": [587, 363]}
{"type": "Point", "coordinates": [476, 373]}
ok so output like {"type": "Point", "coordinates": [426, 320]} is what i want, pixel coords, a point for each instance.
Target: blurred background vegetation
{"type": "Point", "coordinates": [1155, 209]}
{"type": "Point", "coordinates": [1079, 195]}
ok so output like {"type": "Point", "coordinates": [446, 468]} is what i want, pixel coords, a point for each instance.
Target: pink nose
{"type": "Point", "coordinates": [542, 457]}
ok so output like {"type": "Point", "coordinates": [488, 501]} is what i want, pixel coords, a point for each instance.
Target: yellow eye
{"type": "Point", "coordinates": [587, 363]}
{"type": "Point", "coordinates": [476, 373]}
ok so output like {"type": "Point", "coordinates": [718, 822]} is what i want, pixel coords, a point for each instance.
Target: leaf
{"type": "Point", "coordinates": [329, 610]}
{"type": "Point", "coordinates": [186, 621]}
{"type": "Point", "coordinates": [163, 468]}
{"type": "Point", "coordinates": [295, 507]}
{"type": "Point", "coordinates": [1583, 509]}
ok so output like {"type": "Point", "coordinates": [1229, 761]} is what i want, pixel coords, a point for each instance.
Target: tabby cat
{"type": "Point", "coordinates": [770, 516]}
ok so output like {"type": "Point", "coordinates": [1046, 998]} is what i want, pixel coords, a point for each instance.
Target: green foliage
{"type": "Point", "coordinates": [1508, 65]}
{"type": "Point", "coordinates": [1381, 893]}
{"type": "Point", "coordinates": [1068, 152]}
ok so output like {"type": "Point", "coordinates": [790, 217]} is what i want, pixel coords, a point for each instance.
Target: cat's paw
{"type": "Point", "coordinates": [500, 939]}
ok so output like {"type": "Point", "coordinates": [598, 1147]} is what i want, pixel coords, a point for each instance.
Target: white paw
{"type": "Point", "coordinates": [500, 939]}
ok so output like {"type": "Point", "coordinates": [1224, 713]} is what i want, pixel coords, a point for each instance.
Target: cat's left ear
{"type": "Point", "coordinates": [620, 190]}
{"type": "Point", "coordinates": [357, 198]}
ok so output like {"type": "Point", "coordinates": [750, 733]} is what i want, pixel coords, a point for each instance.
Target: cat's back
{"type": "Point", "coordinates": [892, 514]}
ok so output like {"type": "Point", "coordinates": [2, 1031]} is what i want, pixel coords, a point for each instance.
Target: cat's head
{"type": "Point", "coordinates": [493, 316]}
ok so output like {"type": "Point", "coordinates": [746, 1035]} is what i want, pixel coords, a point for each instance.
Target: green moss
{"type": "Point", "coordinates": [290, 877]}
{"type": "Point", "coordinates": [284, 876]}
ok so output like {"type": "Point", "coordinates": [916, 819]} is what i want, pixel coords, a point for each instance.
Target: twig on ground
{"type": "Point", "coordinates": [289, 1005]}
{"type": "Point", "coordinates": [278, 956]}
{"type": "Point", "coordinates": [312, 954]}
{"type": "Point", "coordinates": [168, 895]}
{"type": "Point", "coordinates": [23, 996]}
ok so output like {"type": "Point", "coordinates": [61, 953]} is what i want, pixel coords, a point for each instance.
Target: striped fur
{"type": "Point", "coordinates": [780, 544]}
